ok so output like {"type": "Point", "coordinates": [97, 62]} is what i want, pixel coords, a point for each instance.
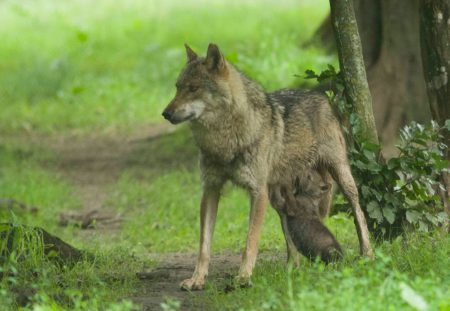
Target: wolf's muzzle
{"type": "Point", "coordinates": [167, 114]}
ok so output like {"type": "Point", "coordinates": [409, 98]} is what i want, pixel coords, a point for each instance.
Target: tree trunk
{"type": "Point", "coordinates": [395, 77]}
{"type": "Point", "coordinates": [352, 65]}
{"type": "Point", "coordinates": [389, 31]}
{"type": "Point", "coordinates": [435, 43]}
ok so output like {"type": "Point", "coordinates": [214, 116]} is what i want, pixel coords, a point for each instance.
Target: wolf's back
{"type": "Point", "coordinates": [310, 128]}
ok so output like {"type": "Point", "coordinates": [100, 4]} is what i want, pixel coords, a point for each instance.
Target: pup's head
{"type": "Point", "coordinates": [304, 195]}
{"type": "Point", "coordinates": [201, 86]}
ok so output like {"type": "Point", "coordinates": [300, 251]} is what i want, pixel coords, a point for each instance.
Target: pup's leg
{"type": "Point", "coordinates": [259, 202]}
{"type": "Point", "coordinates": [208, 212]}
{"type": "Point", "coordinates": [341, 172]}
{"type": "Point", "coordinates": [278, 204]}
{"type": "Point", "coordinates": [293, 257]}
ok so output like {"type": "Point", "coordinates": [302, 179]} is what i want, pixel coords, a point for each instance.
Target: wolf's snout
{"type": "Point", "coordinates": [167, 114]}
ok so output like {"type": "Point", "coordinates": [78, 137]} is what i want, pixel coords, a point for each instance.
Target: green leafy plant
{"type": "Point", "coordinates": [403, 190]}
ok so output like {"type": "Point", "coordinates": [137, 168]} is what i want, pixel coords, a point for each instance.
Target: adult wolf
{"type": "Point", "coordinates": [255, 139]}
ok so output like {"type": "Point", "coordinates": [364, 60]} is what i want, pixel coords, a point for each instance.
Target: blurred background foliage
{"type": "Point", "coordinates": [78, 66]}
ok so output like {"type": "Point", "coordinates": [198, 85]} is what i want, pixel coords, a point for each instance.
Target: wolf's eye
{"type": "Point", "coordinates": [193, 88]}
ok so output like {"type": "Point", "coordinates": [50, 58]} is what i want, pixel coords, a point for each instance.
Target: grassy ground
{"type": "Point", "coordinates": [78, 80]}
{"type": "Point", "coordinates": [408, 274]}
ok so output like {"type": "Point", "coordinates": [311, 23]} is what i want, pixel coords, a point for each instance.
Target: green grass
{"type": "Point", "coordinates": [23, 177]}
{"type": "Point", "coordinates": [174, 211]}
{"type": "Point", "coordinates": [74, 66]}
{"type": "Point", "coordinates": [159, 196]}
{"type": "Point", "coordinates": [406, 273]}
{"type": "Point", "coordinates": [89, 284]}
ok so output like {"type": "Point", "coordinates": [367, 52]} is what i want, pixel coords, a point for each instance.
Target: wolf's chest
{"type": "Point", "coordinates": [248, 168]}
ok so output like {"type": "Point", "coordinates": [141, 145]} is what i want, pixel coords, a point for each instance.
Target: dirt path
{"type": "Point", "coordinates": [94, 163]}
{"type": "Point", "coordinates": [163, 281]}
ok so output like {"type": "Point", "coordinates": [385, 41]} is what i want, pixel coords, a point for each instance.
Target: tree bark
{"type": "Point", "coordinates": [389, 32]}
{"type": "Point", "coordinates": [352, 65]}
{"type": "Point", "coordinates": [435, 44]}
{"type": "Point", "coordinates": [395, 76]}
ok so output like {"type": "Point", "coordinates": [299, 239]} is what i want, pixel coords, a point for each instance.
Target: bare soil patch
{"type": "Point", "coordinates": [93, 163]}
{"type": "Point", "coordinates": [162, 282]}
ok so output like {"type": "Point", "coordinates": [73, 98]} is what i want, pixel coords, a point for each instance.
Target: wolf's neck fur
{"type": "Point", "coordinates": [235, 123]}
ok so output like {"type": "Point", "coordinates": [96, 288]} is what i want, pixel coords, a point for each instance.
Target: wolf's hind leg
{"type": "Point", "coordinates": [343, 176]}
{"type": "Point", "coordinates": [259, 202]}
{"type": "Point", "coordinates": [208, 213]}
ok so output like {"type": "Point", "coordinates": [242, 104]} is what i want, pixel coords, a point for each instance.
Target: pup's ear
{"type": "Point", "coordinates": [214, 59]}
{"type": "Point", "coordinates": [191, 55]}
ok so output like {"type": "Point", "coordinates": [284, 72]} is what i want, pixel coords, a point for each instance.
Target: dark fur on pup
{"type": "Point", "coordinates": [301, 205]}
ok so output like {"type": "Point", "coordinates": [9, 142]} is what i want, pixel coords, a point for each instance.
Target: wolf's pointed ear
{"type": "Point", "coordinates": [214, 59]}
{"type": "Point", "coordinates": [191, 55]}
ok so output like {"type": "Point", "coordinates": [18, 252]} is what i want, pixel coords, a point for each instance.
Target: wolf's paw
{"type": "Point", "coordinates": [193, 284]}
{"type": "Point", "coordinates": [243, 281]}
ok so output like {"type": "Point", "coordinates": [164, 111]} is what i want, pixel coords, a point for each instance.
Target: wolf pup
{"type": "Point", "coordinates": [301, 205]}
{"type": "Point", "coordinates": [255, 139]}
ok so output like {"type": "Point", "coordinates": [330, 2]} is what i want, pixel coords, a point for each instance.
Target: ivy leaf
{"type": "Point", "coordinates": [431, 218]}
{"type": "Point", "coordinates": [441, 217]}
{"type": "Point", "coordinates": [389, 214]}
{"type": "Point", "coordinates": [423, 226]}
{"type": "Point", "coordinates": [370, 146]}
{"type": "Point", "coordinates": [365, 191]}
{"type": "Point", "coordinates": [373, 208]}
{"type": "Point", "coordinates": [412, 216]}
{"type": "Point", "coordinates": [393, 163]}
{"type": "Point", "coordinates": [440, 162]}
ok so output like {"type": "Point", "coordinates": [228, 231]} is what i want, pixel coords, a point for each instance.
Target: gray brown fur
{"type": "Point", "coordinates": [300, 204]}
{"type": "Point", "coordinates": [256, 140]}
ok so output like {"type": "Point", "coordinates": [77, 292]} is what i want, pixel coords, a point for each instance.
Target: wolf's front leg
{"type": "Point", "coordinates": [259, 202]}
{"type": "Point", "coordinates": [208, 212]}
